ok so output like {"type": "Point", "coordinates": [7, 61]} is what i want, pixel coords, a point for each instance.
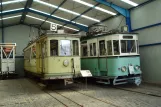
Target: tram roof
{"type": "Point", "coordinates": [101, 35]}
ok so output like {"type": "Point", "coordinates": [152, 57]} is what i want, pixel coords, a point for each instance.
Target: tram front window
{"type": "Point", "coordinates": [128, 46]}
{"type": "Point", "coordinates": [65, 48]}
{"type": "Point", "coordinates": [116, 48]}
{"type": "Point", "coordinates": [53, 47]}
{"type": "Point", "coordinates": [75, 47]}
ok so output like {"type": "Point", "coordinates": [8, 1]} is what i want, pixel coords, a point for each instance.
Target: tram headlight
{"type": "Point", "coordinates": [137, 67]}
{"type": "Point", "coordinates": [66, 63]}
{"type": "Point", "coordinates": [123, 68]}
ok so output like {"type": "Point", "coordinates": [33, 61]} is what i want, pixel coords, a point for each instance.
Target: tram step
{"type": "Point", "coordinates": [103, 82]}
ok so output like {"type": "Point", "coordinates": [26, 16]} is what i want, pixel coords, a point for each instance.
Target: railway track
{"type": "Point", "coordinates": [140, 92]}
{"type": "Point", "coordinates": [96, 98]}
{"type": "Point", "coordinates": [62, 101]}
{"type": "Point", "coordinates": [69, 99]}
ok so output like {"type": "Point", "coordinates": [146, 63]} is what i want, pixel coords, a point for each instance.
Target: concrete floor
{"type": "Point", "coordinates": [24, 93]}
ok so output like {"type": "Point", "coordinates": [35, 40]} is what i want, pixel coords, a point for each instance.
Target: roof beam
{"type": "Point", "coordinates": [54, 11]}
{"type": "Point", "coordinates": [122, 11]}
{"type": "Point", "coordinates": [58, 19]}
{"type": "Point", "coordinates": [83, 13]}
{"type": "Point", "coordinates": [12, 12]}
{"type": "Point", "coordinates": [28, 5]}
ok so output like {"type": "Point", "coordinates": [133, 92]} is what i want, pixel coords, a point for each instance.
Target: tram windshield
{"type": "Point", "coordinates": [65, 48]}
{"type": "Point", "coordinates": [128, 46]}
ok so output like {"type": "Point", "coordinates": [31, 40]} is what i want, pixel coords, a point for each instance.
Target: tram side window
{"type": "Point", "coordinates": [91, 52]}
{"type": "Point", "coordinates": [109, 47]}
{"type": "Point", "coordinates": [27, 53]}
{"type": "Point", "coordinates": [75, 47]}
{"type": "Point", "coordinates": [116, 48]}
{"type": "Point", "coordinates": [53, 47]}
{"type": "Point", "coordinates": [102, 47]}
{"type": "Point", "coordinates": [34, 52]}
{"type": "Point", "coordinates": [65, 48]}
{"type": "Point", "coordinates": [84, 50]}
{"type": "Point", "coordinates": [94, 49]}
{"type": "Point", "coordinates": [137, 46]}
{"type": "Point", "coordinates": [128, 46]}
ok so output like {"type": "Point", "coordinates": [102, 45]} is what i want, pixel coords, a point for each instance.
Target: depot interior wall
{"type": "Point", "coordinates": [19, 34]}
{"type": "Point", "coordinates": [0, 35]}
{"type": "Point", "coordinates": [146, 15]}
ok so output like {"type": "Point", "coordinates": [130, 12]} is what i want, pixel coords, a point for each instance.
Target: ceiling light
{"type": "Point", "coordinates": [57, 16]}
{"type": "Point", "coordinates": [96, 20]}
{"type": "Point", "coordinates": [45, 3]}
{"type": "Point", "coordinates": [130, 2]}
{"type": "Point", "coordinates": [5, 18]}
{"type": "Point", "coordinates": [39, 11]}
{"type": "Point", "coordinates": [35, 18]}
{"type": "Point", "coordinates": [71, 28]}
{"type": "Point", "coordinates": [12, 10]}
{"type": "Point", "coordinates": [66, 10]}
{"type": "Point", "coordinates": [69, 11]}
{"type": "Point", "coordinates": [60, 18]}
{"type": "Point", "coordinates": [69, 21]}
{"type": "Point", "coordinates": [12, 2]}
{"type": "Point", "coordinates": [50, 22]}
{"type": "Point", "coordinates": [84, 3]}
{"type": "Point", "coordinates": [98, 8]}
{"type": "Point", "coordinates": [106, 11]}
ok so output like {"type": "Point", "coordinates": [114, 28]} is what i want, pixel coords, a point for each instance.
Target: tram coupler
{"type": "Point", "coordinates": [68, 81]}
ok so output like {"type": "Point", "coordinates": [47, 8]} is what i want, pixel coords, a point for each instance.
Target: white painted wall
{"type": "Point", "coordinates": [18, 34]}
{"type": "Point", "coordinates": [150, 56]}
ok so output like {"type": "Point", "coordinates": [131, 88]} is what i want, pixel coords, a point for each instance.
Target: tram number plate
{"type": "Point", "coordinates": [131, 69]}
{"type": "Point", "coordinates": [86, 73]}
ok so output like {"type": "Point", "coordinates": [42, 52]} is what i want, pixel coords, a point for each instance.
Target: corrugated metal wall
{"type": "Point", "coordinates": [150, 56]}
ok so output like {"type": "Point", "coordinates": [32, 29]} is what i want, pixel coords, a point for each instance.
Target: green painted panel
{"type": "Point", "coordinates": [115, 63]}
{"type": "Point", "coordinates": [98, 65]}
{"type": "Point", "coordinates": [90, 64]}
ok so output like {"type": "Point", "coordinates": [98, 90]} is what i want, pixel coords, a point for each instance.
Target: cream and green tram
{"type": "Point", "coordinates": [54, 56]}
{"type": "Point", "coordinates": [112, 58]}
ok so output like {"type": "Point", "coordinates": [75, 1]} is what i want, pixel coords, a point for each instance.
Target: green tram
{"type": "Point", "coordinates": [112, 58]}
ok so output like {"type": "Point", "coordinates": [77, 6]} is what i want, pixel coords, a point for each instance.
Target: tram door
{"type": "Point", "coordinates": [102, 61]}
{"type": "Point", "coordinates": [93, 56]}
{"type": "Point", "coordinates": [42, 56]}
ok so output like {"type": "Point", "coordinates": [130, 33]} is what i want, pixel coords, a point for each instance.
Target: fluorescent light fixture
{"type": "Point", "coordinates": [5, 18]}
{"type": "Point", "coordinates": [50, 22]}
{"type": "Point", "coordinates": [96, 20]}
{"type": "Point", "coordinates": [12, 10]}
{"type": "Point", "coordinates": [84, 3]}
{"type": "Point", "coordinates": [45, 3]}
{"type": "Point", "coordinates": [104, 10]}
{"type": "Point", "coordinates": [98, 8]}
{"type": "Point", "coordinates": [66, 10]}
{"type": "Point", "coordinates": [35, 18]}
{"type": "Point", "coordinates": [39, 11]}
{"type": "Point", "coordinates": [69, 11]}
{"type": "Point", "coordinates": [71, 28]}
{"type": "Point", "coordinates": [12, 2]}
{"type": "Point", "coordinates": [57, 16]}
{"type": "Point", "coordinates": [130, 2]}
{"type": "Point", "coordinates": [60, 18]}
{"type": "Point", "coordinates": [69, 21]}
{"type": "Point", "coordinates": [79, 23]}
